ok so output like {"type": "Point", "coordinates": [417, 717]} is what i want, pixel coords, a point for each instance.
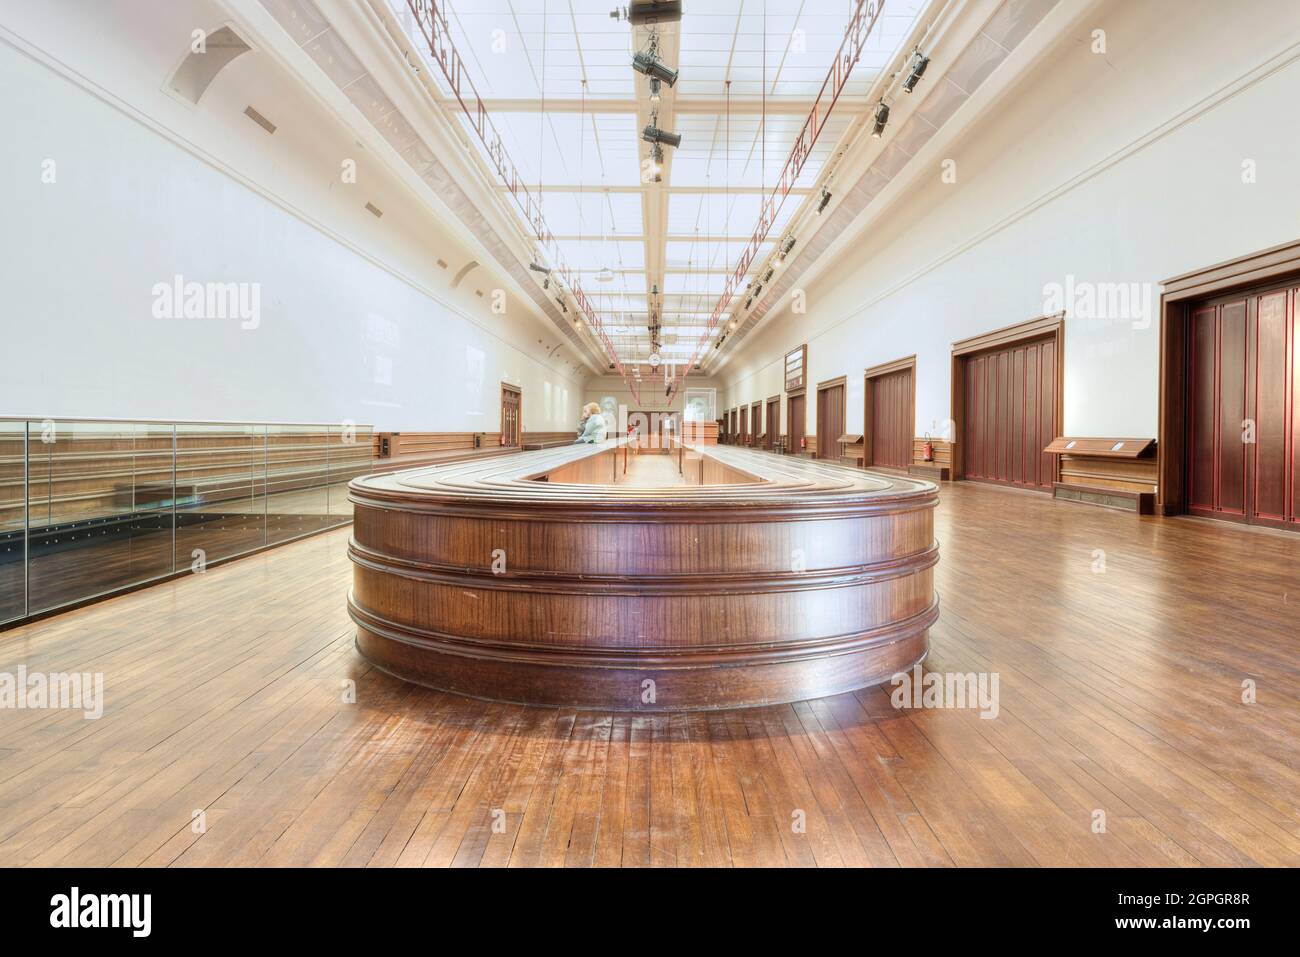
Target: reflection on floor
{"type": "Point", "coordinates": [652, 470]}
{"type": "Point", "coordinates": [1121, 737]}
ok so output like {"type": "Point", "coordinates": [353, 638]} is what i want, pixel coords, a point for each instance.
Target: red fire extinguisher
{"type": "Point", "coordinates": [803, 443]}
{"type": "Point", "coordinates": [927, 450]}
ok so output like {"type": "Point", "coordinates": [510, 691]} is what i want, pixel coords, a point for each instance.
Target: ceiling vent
{"type": "Point", "coordinates": [197, 71]}
{"type": "Point", "coordinates": [259, 119]}
{"type": "Point", "coordinates": [374, 210]}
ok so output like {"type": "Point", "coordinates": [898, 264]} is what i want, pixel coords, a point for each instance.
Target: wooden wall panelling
{"type": "Point", "coordinates": [1113, 472]}
{"type": "Point", "coordinates": [938, 469]}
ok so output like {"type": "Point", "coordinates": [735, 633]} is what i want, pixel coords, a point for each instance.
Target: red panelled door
{"type": "Point", "coordinates": [830, 422]}
{"type": "Point", "coordinates": [1243, 420]}
{"type": "Point", "coordinates": [891, 419]}
{"type": "Point", "coordinates": [797, 424]}
{"type": "Point", "coordinates": [1010, 415]}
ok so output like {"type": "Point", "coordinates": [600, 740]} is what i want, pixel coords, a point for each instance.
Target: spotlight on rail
{"type": "Point", "coordinates": [535, 267]}
{"type": "Point", "coordinates": [824, 201]}
{"type": "Point", "coordinates": [655, 84]}
{"type": "Point", "coordinates": [648, 62]}
{"type": "Point", "coordinates": [652, 134]}
{"type": "Point", "coordinates": [649, 11]}
{"type": "Point", "coordinates": [919, 63]}
{"type": "Point", "coordinates": [882, 117]}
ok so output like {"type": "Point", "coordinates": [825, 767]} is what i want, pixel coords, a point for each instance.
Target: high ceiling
{"type": "Point", "coordinates": [557, 81]}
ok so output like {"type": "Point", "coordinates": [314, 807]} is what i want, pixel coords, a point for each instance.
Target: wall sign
{"type": "Point", "coordinates": [796, 366]}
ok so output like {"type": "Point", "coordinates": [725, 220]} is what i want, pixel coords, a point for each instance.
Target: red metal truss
{"type": "Point", "coordinates": [433, 28]}
{"type": "Point", "coordinates": [865, 15]}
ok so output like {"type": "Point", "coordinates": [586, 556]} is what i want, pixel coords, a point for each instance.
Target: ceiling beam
{"type": "Point", "coordinates": [639, 238]}
{"type": "Point", "coordinates": [776, 106]}
{"type": "Point", "coordinates": [685, 190]}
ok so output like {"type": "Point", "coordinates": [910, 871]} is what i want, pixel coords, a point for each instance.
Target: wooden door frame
{"type": "Point", "coordinates": [773, 431]}
{"type": "Point", "coordinates": [519, 391]}
{"type": "Point", "coordinates": [755, 413]}
{"type": "Point", "coordinates": [1275, 265]}
{"type": "Point", "coordinates": [842, 382]}
{"type": "Point", "coordinates": [1044, 327]}
{"type": "Point", "coordinates": [908, 363]}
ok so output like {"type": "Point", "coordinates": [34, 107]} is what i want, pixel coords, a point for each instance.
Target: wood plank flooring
{"type": "Point", "coordinates": [652, 470]}
{"type": "Point", "coordinates": [1120, 693]}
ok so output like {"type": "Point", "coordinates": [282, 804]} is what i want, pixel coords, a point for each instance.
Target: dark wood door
{"type": "Point", "coordinates": [744, 426]}
{"type": "Point", "coordinates": [889, 399]}
{"type": "Point", "coordinates": [798, 423]}
{"type": "Point", "coordinates": [511, 400]}
{"type": "Point", "coordinates": [1243, 373]}
{"type": "Point", "coordinates": [756, 421]}
{"type": "Point", "coordinates": [1010, 414]}
{"type": "Point", "coordinates": [830, 422]}
{"type": "Point", "coordinates": [773, 422]}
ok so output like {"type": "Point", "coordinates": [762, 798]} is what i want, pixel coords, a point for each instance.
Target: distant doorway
{"type": "Point", "coordinates": [830, 419]}
{"type": "Point", "coordinates": [798, 423]}
{"type": "Point", "coordinates": [773, 421]}
{"type": "Point", "coordinates": [512, 400]}
{"type": "Point", "coordinates": [889, 416]}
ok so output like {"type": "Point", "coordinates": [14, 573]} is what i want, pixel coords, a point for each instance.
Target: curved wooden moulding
{"type": "Point", "coordinates": [478, 578]}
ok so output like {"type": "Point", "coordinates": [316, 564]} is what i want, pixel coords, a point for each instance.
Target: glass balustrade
{"type": "Point", "coordinates": [92, 507]}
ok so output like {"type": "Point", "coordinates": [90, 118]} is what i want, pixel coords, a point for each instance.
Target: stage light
{"type": "Point", "coordinates": [648, 63]}
{"type": "Point", "coordinates": [655, 97]}
{"type": "Point", "coordinates": [919, 63]}
{"type": "Point", "coordinates": [787, 246]}
{"type": "Point", "coordinates": [652, 134]}
{"type": "Point", "coordinates": [640, 12]}
{"type": "Point", "coordinates": [541, 269]}
{"type": "Point", "coordinates": [882, 117]}
{"type": "Point", "coordinates": [824, 202]}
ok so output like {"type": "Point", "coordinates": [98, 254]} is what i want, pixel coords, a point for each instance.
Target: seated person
{"type": "Point", "coordinates": [592, 427]}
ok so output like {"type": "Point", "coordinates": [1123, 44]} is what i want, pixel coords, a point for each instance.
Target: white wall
{"type": "Point", "coordinates": [1161, 133]}
{"type": "Point", "coordinates": [357, 320]}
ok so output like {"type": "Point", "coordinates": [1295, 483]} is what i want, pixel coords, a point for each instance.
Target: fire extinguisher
{"type": "Point", "coordinates": [927, 450]}
{"type": "Point", "coordinates": [803, 443]}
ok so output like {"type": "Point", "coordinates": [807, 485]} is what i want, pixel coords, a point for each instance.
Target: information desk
{"type": "Point", "coordinates": [543, 578]}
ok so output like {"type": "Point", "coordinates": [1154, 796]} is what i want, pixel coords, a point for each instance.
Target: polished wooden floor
{"type": "Point", "coordinates": [1121, 693]}
{"type": "Point", "coordinates": [652, 470]}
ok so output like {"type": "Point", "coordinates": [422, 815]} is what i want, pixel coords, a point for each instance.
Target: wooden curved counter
{"type": "Point", "coordinates": [508, 579]}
